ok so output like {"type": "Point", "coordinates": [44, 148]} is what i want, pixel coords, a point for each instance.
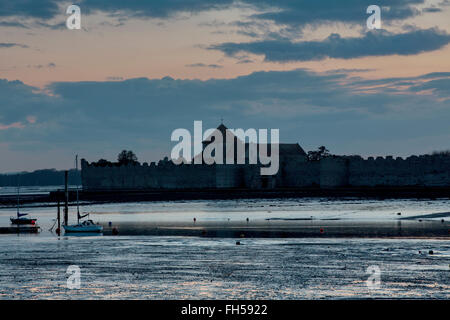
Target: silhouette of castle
{"type": "Point", "coordinates": [295, 171]}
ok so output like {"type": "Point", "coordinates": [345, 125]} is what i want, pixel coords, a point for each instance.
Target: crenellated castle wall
{"type": "Point", "coordinates": [425, 170]}
{"type": "Point", "coordinates": [294, 172]}
{"type": "Point", "coordinates": [165, 176]}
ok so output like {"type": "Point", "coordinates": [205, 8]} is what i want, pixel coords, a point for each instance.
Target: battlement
{"type": "Point", "coordinates": [295, 171]}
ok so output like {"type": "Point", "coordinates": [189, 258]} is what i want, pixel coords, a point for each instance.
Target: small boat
{"type": "Point", "coordinates": [87, 226]}
{"type": "Point", "coordinates": [21, 219]}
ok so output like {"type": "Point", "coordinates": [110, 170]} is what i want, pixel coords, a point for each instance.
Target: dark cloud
{"type": "Point", "coordinates": [52, 26]}
{"type": "Point", "coordinates": [432, 9]}
{"type": "Point", "coordinates": [350, 70]}
{"type": "Point", "coordinates": [439, 87]}
{"type": "Point", "coordinates": [11, 45]}
{"type": "Point", "coordinates": [13, 24]}
{"type": "Point", "coordinates": [203, 65]}
{"type": "Point", "coordinates": [303, 12]}
{"type": "Point", "coordinates": [298, 12]}
{"type": "Point", "coordinates": [374, 43]}
{"type": "Point", "coordinates": [141, 113]}
{"type": "Point", "coordinates": [20, 100]}
{"type": "Point", "coordinates": [435, 75]}
{"type": "Point", "coordinates": [152, 9]}
{"type": "Point", "coordinates": [245, 61]}
{"type": "Point", "coordinates": [392, 82]}
{"type": "Point", "coordinates": [42, 9]}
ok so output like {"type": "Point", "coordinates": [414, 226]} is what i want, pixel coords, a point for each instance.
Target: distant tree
{"type": "Point", "coordinates": [321, 152]}
{"type": "Point", "coordinates": [441, 153]}
{"type": "Point", "coordinates": [103, 162]}
{"type": "Point", "coordinates": [127, 157]}
{"type": "Point", "coordinates": [45, 177]}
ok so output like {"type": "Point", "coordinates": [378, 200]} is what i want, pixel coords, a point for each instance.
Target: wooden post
{"type": "Point", "coordinates": [58, 231]}
{"type": "Point", "coordinates": [66, 191]}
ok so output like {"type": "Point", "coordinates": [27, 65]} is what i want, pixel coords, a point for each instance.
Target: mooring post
{"type": "Point", "coordinates": [58, 231]}
{"type": "Point", "coordinates": [66, 191]}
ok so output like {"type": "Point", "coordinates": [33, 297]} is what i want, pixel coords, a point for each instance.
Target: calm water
{"type": "Point", "coordinates": [31, 189]}
{"type": "Point", "coordinates": [34, 266]}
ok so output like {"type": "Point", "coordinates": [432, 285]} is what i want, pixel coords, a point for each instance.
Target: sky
{"type": "Point", "coordinates": [138, 70]}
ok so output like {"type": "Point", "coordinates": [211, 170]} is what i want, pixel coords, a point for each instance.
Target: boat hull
{"type": "Point", "coordinates": [23, 221]}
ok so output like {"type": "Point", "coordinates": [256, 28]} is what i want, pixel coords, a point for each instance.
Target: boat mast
{"type": "Point", "coordinates": [78, 203]}
{"type": "Point", "coordinates": [66, 200]}
{"type": "Point", "coordinates": [18, 194]}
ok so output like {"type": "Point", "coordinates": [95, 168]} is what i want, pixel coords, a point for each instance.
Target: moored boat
{"type": "Point", "coordinates": [87, 226]}
{"type": "Point", "coordinates": [20, 219]}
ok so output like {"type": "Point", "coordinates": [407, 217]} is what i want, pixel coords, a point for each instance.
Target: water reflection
{"type": "Point", "coordinates": [83, 234]}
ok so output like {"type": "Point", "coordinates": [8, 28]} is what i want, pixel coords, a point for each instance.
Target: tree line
{"type": "Point", "coordinates": [46, 177]}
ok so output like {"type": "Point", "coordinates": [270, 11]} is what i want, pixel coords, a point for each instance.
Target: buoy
{"type": "Point", "coordinates": [321, 230]}
{"type": "Point", "coordinates": [248, 219]}
{"type": "Point", "coordinates": [399, 213]}
{"type": "Point", "coordinates": [195, 219]}
{"type": "Point", "coordinates": [115, 231]}
{"type": "Point", "coordinates": [430, 252]}
{"type": "Point", "coordinates": [442, 220]}
{"type": "Point", "coordinates": [110, 223]}
{"type": "Point", "coordinates": [238, 243]}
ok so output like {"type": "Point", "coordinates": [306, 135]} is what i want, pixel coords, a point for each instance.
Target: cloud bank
{"type": "Point", "coordinates": [307, 106]}
{"type": "Point", "coordinates": [299, 12]}
{"type": "Point", "coordinates": [375, 43]}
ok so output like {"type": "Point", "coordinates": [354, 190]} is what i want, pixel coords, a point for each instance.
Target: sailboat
{"type": "Point", "coordinates": [21, 219]}
{"type": "Point", "coordinates": [87, 226]}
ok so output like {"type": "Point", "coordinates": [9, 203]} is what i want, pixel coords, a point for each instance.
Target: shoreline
{"type": "Point", "coordinates": [149, 195]}
{"type": "Point", "coordinates": [431, 229]}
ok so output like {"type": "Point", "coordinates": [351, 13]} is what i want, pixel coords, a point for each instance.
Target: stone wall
{"type": "Point", "coordinates": [294, 172]}
{"type": "Point", "coordinates": [299, 172]}
{"type": "Point", "coordinates": [414, 171]}
{"type": "Point", "coordinates": [334, 172]}
{"type": "Point", "coordinates": [166, 176]}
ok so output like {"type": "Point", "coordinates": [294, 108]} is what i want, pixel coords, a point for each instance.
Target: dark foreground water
{"type": "Point", "coordinates": [34, 267]}
{"type": "Point", "coordinates": [169, 267]}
